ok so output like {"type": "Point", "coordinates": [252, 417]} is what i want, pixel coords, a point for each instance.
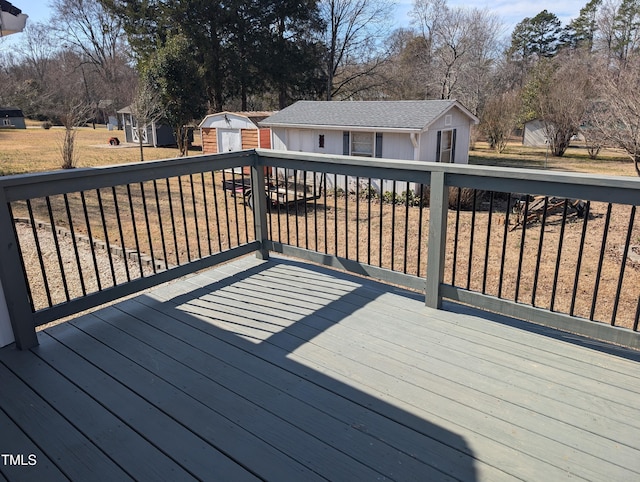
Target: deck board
{"type": "Point", "coordinates": [165, 394]}
{"type": "Point", "coordinates": [45, 469]}
{"type": "Point", "coordinates": [291, 418]}
{"type": "Point", "coordinates": [73, 452]}
{"type": "Point", "coordinates": [282, 370]}
{"type": "Point", "coordinates": [165, 434]}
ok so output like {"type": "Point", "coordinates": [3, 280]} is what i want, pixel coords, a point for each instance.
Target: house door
{"type": "Point", "coordinates": [230, 140]}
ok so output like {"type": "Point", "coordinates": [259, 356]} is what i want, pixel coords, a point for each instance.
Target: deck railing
{"type": "Point", "coordinates": [473, 234]}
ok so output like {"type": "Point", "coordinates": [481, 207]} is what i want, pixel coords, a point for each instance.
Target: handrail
{"type": "Point", "coordinates": [600, 188]}
{"type": "Point", "coordinates": [265, 226]}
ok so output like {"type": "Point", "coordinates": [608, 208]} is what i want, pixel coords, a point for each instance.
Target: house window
{"type": "Point", "coordinates": [6, 122]}
{"type": "Point", "coordinates": [446, 146]}
{"type": "Point", "coordinates": [321, 141]}
{"type": "Point", "coordinates": [448, 120]}
{"type": "Point", "coordinates": [362, 144]}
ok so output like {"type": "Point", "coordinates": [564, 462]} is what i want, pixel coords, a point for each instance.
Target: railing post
{"type": "Point", "coordinates": [14, 302]}
{"type": "Point", "coordinates": [259, 194]}
{"type": "Point", "coordinates": [438, 207]}
{"type": "Point", "coordinates": [6, 332]}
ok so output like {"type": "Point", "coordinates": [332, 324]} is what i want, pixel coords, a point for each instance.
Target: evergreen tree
{"type": "Point", "coordinates": [626, 30]}
{"type": "Point", "coordinates": [581, 30]}
{"type": "Point", "coordinates": [178, 79]}
{"type": "Point", "coordinates": [294, 54]}
{"type": "Point", "coordinates": [242, 46]}
{"type": "Point", "coordinates": [536, 37]}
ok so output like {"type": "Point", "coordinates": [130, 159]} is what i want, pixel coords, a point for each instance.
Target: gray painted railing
{"type": "Point", "coordinates": [341, 205]}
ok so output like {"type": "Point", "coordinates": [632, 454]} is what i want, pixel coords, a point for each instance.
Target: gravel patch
{"type": "Point", "coordinates": [100, 268]}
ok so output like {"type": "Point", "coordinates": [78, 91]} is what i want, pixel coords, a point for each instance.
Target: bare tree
{"type": "Point", "coordinates": [146, 108]}
{"type": "Point", "coordinates": [67, 103]}
{"type": "Point", "coordinates": [353, 36]}
{"type": "Point", "coordinates": [88, 28]}
{"type": "Point", "coordinates": [428, 18]}
{"type": "Point", "coordinates": [97, 36]}
{"type": "Point", "coordinates": [73, 113]}
{"type": "Point", "coordinates": [405, 78]}
{"type": "Point", "coordinates": [558, 92]}
{"type": "Point", "coordinates": [460, 47]}
{"type": "Point", "coordinates": [478, 75]}
{"type": "Point", "coordinates": [499, 118]}
{"type": "Point", "coordinates": [595, 138]}
{"type": "Point", "coordinates": [618, 118]}
{"type": "Point", "coordinates": [37, 48]}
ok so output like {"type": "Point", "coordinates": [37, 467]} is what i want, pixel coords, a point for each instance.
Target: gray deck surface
{"type": "Point", "coordinates": [285, 371]}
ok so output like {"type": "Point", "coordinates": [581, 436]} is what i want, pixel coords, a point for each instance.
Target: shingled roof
{"type": "Point", "coordinates": [402, 114]}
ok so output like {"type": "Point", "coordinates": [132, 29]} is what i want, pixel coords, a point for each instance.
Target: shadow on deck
{"type": "Point", "coordinates": [283, 370]}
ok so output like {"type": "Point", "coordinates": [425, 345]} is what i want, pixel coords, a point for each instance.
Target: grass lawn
{"type": "Point", "coordinates": [610, 162]}
{"type": "Point", "coordinates": [36, 149]}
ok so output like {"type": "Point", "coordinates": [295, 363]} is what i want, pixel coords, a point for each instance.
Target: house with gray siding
{"type": "Point", "coordinates": [417, 130]}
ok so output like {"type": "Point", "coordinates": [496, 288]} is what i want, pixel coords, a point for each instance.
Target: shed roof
{"type": "Point", "coordinates": [253, 116]}
{"type": "Point", "coordinates": [403, 114]}
{"type": "Point", "coordinates": [10, 112]}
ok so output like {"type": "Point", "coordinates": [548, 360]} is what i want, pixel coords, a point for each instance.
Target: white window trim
{"type": "Point", "coordinates": [442, 149]}
{"type": "Point", "coordinates": [363, 154]}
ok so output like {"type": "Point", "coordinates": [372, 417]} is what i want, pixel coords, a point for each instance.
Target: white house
{"type": "Point", "coordinates": [421, 130]}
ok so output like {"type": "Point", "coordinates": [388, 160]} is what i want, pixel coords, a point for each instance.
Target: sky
{"type": "Point", "coordinates": [511, 12]}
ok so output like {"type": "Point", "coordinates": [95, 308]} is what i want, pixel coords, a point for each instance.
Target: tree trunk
{"type": "Point", "coordinates": [282, 96]}
{"type": "Point", "coordinates": [140, 144]}
{"type": "Point", "coordinates": [243, 96]}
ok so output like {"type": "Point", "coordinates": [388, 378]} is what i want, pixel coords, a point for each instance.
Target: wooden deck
{"type": "Point", "coordinates": [285, 371]}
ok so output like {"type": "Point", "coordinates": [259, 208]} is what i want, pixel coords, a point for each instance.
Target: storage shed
{"type": "Point", "coordinates": [420, 130]}
{"type": "Point", "coordinates": [234, 131]}
{"type": "Point", "coordinates": [156, 134]}
{"type": "Point", "coordinates": [534, 134]}
{"type": "Point", "coordinates": [12, 117]}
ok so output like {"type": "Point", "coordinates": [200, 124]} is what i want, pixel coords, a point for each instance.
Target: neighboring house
{"type": "Point", "coordinates": [11, 117]}
{"type": "Point", "coordinates": [420, 130]}
{"type": "Point", "coordinates": [234, 131]}
{"type": "Point", "coordinates": [156, 134]}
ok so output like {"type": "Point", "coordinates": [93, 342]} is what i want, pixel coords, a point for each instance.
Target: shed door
{"type": "Point", "coordinates": [301, 140]}
{"type": "Point", "coordinates": [135, 131]}
{"type": "Point", "coordinates": [230, 140]}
